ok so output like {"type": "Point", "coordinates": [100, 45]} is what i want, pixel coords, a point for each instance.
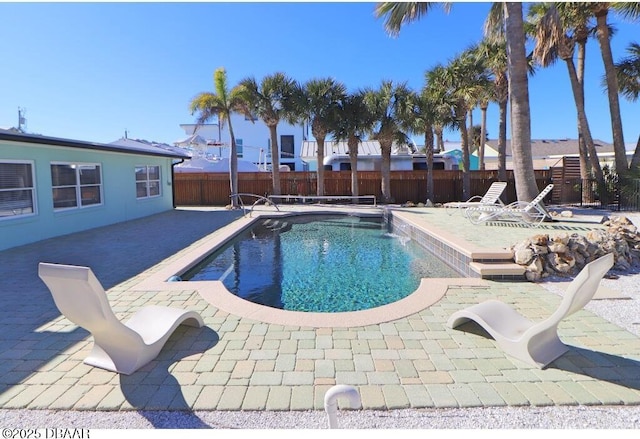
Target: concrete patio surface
{"type": "Point", "coordinates": [236, 363]}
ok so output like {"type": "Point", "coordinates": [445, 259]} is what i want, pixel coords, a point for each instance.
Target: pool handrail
{"type": "Point", "coordinates": [259, 198]}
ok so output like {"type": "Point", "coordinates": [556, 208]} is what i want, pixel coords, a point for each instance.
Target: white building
{"type": "Point", "coordinates": [336, 157]}
{"type": "Point", "coordinates": [252, 141]}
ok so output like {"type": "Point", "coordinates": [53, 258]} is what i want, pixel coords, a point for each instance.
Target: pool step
{"type": "Point", "coordinates": [498, 270]}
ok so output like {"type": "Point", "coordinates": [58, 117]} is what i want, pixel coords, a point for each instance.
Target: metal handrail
{"type": "Point", "coordinates": [259, 198]}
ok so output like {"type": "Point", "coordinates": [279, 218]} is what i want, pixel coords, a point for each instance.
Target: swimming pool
{"type": "Point", "coordinates": [320, 263]}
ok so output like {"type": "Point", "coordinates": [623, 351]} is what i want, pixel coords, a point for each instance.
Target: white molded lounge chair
{"type": "Point", "coordinates": [490, 198]}
{"type": "Point", "coordinates": [118, 347]}
{"type": "Point", "coordinates": [536, 343]}
{"type": "Point", "coordinates": [532, 213]}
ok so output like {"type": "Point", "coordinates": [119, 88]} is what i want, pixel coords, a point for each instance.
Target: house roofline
{"type": "Point", "coordinates": [57, 141]}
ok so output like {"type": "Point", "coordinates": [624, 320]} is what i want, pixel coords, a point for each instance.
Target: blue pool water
{"type": "Point", "coordinates": [320, 264]}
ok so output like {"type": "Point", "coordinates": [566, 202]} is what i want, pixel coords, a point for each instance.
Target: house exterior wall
{"type": "Point", "coordinates": [255, 140]}
{"type": "Point", "coordinates": [119, 199]}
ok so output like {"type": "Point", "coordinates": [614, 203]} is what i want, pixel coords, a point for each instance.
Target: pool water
{"type": "Point", "coordinates": [319, 263]}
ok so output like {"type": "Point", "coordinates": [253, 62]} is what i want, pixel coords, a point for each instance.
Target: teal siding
{"type": "Point", "coordinates": [119, 202]}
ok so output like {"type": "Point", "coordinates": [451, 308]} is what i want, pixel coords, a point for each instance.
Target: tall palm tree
{"type": "Point", "coordinates": [222, 103]}
{"type": "Point", "coordinates": [555, 39]}
{"type": "Point", "coordinates": [601, 11]}
{"type": "Point", "coordinates": [517, 71]}
{"type": "Point", "coordinates": [271, 101]}
{"type": "Point", "coordinates": [459, 84]}
{"type": "Point", "coordinates": [353, 121]}
{"type": "Point", "coordinates": [421, 119]}
{"type": "Point", "coordinates": [389, 105]}
{"type": "Point", "coordinates": [628, 72]}
{"type": "Point", "coordinates": [493, 52]}
{"type": "Point", "coordinates": [397, 14]}
{"type": "Point", "coordinates": [317, 102]}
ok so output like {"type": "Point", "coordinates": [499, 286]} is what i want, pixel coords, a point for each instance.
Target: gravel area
{"type": "Point", "coordinates": [579, 417]}
{"type": "Point", "coordinates": [623, 312]}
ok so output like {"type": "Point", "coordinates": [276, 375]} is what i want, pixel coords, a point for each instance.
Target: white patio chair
{"type": "Point", "coordinates": [532, 213]}
{"type": "Point", "coordinates": [535, 343]}
{"type": "Point", "coordinates": [118, 347]}
{"type": "Point", "coordinates": [490, 198]}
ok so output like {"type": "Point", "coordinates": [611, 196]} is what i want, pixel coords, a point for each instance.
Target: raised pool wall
{"type": "Point", "coordinates": [452, 256]}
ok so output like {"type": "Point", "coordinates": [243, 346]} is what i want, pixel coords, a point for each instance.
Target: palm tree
{"type": "Point", "coordinates": [517, 70]}
{"type": "Point", "coordinates": [317, 102]}
{"type": "Point", "coordinates": [423, 108]}
{"type": "Point", "coordinates": [353, 121]}
{"type": "Point", "coordinates": [389, 106]}
{"type": "Point", "coordinates": [222, 103]}
{"type": "Point", "coordinates": [555, 40]}
{"type": "Point", "coordinates": [628, 72]}
{"type": "Point", "coordinates": [600, 11]}
{"type": "Point", "coordinates": [271, 101]}
{"type": "Point", "coordinates": [493, 52]}
{"type": "Point", "coordinates": [458, 84]}
{"type": "Point", "coordinates": [397, 14]}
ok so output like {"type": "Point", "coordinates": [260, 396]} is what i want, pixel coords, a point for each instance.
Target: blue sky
{"type": "Point", "coordinates": [90, 71]}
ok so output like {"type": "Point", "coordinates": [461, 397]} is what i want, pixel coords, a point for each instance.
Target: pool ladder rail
{"type": "Point", "coordinates": [260, 198]}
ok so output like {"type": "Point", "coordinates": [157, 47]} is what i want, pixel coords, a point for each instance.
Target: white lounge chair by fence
{"type": "Point", "coordinates": [118, 347]}
{"type": "Point", "coordinates": [530, 214]}
{"type": "Point", "coordinates": [535, 343]}
{"type": "Point", "coordinates": [490, 198]}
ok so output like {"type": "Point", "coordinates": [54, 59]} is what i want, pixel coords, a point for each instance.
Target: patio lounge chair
{"type": "Point", "coordinates": [536, 343]}
{"type": "Point", "coordinates": [118, 347]}
{"type": "Point", "coordinates": [530, 214]}
{"type": "Point", "coordinates": [490, 198]}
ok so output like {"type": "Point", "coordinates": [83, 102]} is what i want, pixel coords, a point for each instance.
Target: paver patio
{"type": "Point", "coordinates": [235, 363]}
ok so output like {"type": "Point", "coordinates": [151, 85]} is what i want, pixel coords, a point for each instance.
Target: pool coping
{"type": "Point", "coordinates": [429, 292]}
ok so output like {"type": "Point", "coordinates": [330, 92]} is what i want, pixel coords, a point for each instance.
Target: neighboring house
{"type": "Point", "coordinates": [336, 157]}
{"type": "Point", "coordinates": [252, 141]}
{"type": "Point", "coordinates": [548, 153]}
{"type": "Point", "coordinates": [51, 186]}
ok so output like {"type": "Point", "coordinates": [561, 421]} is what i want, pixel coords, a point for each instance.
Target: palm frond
{"type": "Point", "coordinates": [398, 13]}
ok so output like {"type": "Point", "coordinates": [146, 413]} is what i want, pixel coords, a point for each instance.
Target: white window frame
{"type": "Point", "coordinates": [17, 207]}
{"type": "Point", "coordinates": [147, 181]}
{"type": "Point", "coordinates": [78, 186]}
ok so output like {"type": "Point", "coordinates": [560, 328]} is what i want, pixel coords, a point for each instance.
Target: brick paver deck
{"type": "Point", "coordinates": [235, 363]}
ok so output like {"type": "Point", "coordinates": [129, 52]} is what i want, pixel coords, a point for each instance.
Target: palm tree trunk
{"type": "Point", "coordinates": [470, 132]}
{"type": "Point", "coordinates": [483, 136]}
{"type": "Point", "coordinates": [502, 141]}
{"type": "Point", "coordinates": [466, 176]}
{"type": "Point", "coordinates": [320, 172]}
{"type": "Point", "coordinates": [612, 92]}
{"type": "Point", "coordinates": [428, 150]}
{"type": "Point", "coordinates": [353, 159]}
{"type": "Point", "coordinates": [233, 168]}
{"type": "Point", "coordinates": [635, 161]}
{"type": "Point", "coordinates": [585, 167]}
{"type": "Point", "coordinates": [385, 170]}
{"type": "Point", "coordinates": [275, 160]}
{"type": "Point", "coordinates": [578, 97]}
{"type": "Point", "coordinates": [526, 188]}
{"type": "Point", "coordinates": [439, 138]}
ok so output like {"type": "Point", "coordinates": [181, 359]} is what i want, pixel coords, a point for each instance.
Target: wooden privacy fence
{"type": "Point", "coordinates": [213, 189]}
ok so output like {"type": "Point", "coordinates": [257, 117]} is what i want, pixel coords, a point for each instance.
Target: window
{"type": "Point", "coordinates": [147, 181]}
{"type": "Point", "coordinates": [239, 147]}
{"type": "Point", "coordinates": [76, 185]}
{"type": "Point", "coordinates": [16, 189]}
{"type": "Point", "coordinates": [286, 147]}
